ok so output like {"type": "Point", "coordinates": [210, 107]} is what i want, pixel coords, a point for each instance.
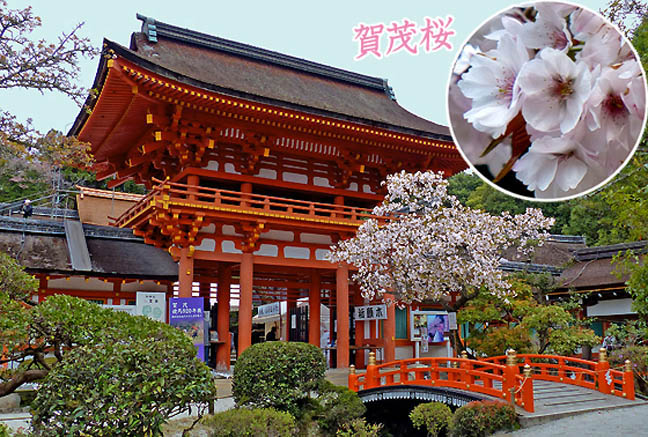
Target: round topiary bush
{"type": "Point", "coordinates": [256, 422]}
{"type": "Point", "coordinates": [278, 375]}
{"type": "Point", "coordinates": [431, 416]}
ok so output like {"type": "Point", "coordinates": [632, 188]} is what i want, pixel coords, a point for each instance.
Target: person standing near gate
{"type": "Point", "coordinates": [27, 209]}
{"type": "Point", "coordinates": [272, 335]}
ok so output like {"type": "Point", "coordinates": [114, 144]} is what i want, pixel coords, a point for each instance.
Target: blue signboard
{"type": "Point", "coordinates": [186, 313]}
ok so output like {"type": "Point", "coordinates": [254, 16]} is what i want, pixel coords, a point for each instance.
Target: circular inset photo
{"type": "Point", "coordinates": [547, 101]}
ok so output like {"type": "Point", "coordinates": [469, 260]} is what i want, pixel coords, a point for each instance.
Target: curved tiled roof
{"type": "Point", "coordinates": [265, 76]}
{"type": "Point", "coordinates": [42, 246]}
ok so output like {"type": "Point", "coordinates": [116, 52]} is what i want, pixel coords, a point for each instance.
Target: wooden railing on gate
{"type": "Point", "coordinates": [245, 203]}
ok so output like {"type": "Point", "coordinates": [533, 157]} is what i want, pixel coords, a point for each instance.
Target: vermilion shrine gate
{"type": "Point", "coordinates": [256, 163]}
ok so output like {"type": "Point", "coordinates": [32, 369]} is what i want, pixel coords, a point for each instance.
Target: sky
{"type": "Point", "coordinates": [319, 31]}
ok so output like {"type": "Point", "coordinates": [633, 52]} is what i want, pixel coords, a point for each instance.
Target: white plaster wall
{"type": "Point", "coordinates": [278, 235]}
{"type": "Point", "coordinates": [267, 173]}
{"type": "Point", "coordinates": [267, 250]}
{"type": "Point", "coordinates": [79, 283]}
{"type": "Point", "coordinates": [227, 246]}
{"type": "Point", "coordinates": [611, 308]}
{"type": "Point", "coordinates": [209, 229]}
{"type": "Point", "coordinates": [294, 177]}
{"type": "Point", "coordinates": [315, 238]}
{"type": "Point", "coordinates": [321, 182]}
{"type": "Point", "coordinates": [207, 244]}
{"type": "Point", "coordinates": [144, 286]}
{"type": "Point", "coordinates": [229, 230]}
{"type": "Point", "coordinates": [229, 168]}
{"type": "Point", "coordinates": [212, 165]}
{"type": "Point", "coordinates": [296, 252]}
{"type": "Point", "coordinates": [321, 254]}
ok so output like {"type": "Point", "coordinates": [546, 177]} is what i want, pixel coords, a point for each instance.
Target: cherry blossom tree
{"type": "Point", "coordinates": [429, 247]}
{"type": "Point", "coordinates": [44, 66]}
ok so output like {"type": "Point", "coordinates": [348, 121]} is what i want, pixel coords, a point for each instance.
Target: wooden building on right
{"type": "Point", "coordinates": [600, 282]}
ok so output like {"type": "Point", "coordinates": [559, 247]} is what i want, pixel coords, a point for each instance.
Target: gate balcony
{"type": "Point", "coordinates": [225, 206]}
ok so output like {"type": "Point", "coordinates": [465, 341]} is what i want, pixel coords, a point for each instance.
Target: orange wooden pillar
{"type": "Point", "coordinates": [223, 322]}
{"type": "Point", "coordinates": [314, 315]}
{"type": "Point", "coordinates": [195, 181]}
{"type": "Point", "coordinates": [389, 333]}
{"type": "Point", "coordinates": [342, 301]}
{"type": "Point", "coordinates": [245, 303]}
{"type": "Point", "coordinates": [185, 273]}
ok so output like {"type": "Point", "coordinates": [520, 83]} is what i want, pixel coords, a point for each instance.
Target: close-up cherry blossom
{"type": "Point", "coordinates": [547, 101]}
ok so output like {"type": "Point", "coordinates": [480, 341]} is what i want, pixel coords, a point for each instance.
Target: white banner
{"type": "Point", "coordinates": [370, 312]}
{"type": "Point", "coordinates": [152, 305]}
{"type": "Point", "coordinates": [270, 309]}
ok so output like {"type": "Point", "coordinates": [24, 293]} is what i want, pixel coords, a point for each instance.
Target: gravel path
{"type": "Point", "coordinates": [632, 421]}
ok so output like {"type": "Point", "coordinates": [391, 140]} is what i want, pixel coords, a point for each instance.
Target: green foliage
{"type": "Point", "coordinates": [15, 283]}
{"type": "Point", "coordinates": [359, 428]}
{"type": "Point", "coordinates": [489, 199]}
{"type": "Point", "coordinates": [4, 430]}
{"type": "Point", "coordinates": [278, 375]}
{"type": "Point", "coordinates": [525, 322]}
{"type": "Point", "coordinates": [637, 283]}
{"type": "Point", "coordinates": [431, 416]}
{"type": "Point", "coordinates": [122, 386]}
{"type": "Point", "coordinates": [333, 407]}
{"type": "Point", "coordinates": [110, 373]}
{"type": "Point", "coordinates": [462, 185]}
{"type": "Point", "coordinates": [495, 340]}
{"type": "Point", "coordinates": [244, 422]}
{"type": "Point", "coordinates": [629, 333]}
{"type": "Point", "coordinates": [480, 419]}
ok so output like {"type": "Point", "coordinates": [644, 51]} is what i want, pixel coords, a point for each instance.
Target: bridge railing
{"type": "Point", "coordinates": [500, 381]}
{"type": "Point", "coordinates": [594, 375]}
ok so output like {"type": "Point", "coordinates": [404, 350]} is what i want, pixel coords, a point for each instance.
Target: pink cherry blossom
{"type": "Point", "coordinates": [491, 84]}
{"type": "Point", "coordinates": [555, 89]}
{"type": "Point", "coordinates": [432, 246]}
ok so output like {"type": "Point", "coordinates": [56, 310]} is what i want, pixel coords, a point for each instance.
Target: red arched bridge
{"type": "Point", "coordinates": [508, 377]}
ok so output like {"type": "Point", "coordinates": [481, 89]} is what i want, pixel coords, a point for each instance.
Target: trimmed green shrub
{"type": "Point", "coordinates": [122, 388]}
{"type": "Point", "coordinates": [431, 416]}
{"type": "Point", "coordinates": [359, 428]}
{"type": "Point", "coordinates": [244, 422]}
{"type": "Point", "coordinates": [279, 375]}
{"type": "Point", "coordinates": [480, 419]}
{"type": "Point", "coordinates": [333, 407]}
